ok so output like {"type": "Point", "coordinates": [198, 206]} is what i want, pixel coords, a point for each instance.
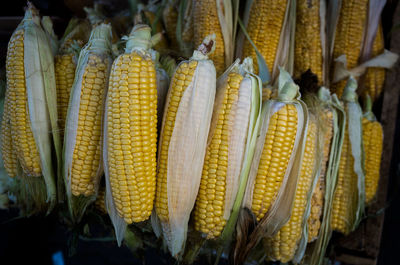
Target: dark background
{"type": "Point", "coordinates": [35, 239]}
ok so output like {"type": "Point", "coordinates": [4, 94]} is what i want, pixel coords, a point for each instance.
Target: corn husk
{"type": "Point", "coordinates": [4, 178]}
{"type": "Point", "coordinates": [47, 25]}
{"type": "Point", "coordinates": [36, 194]}
{"type": "Point", "coordinates": [100, 44]}
{"type": "Point", "coordinates": [280, 210]}
{"type": "Point", "coordinates": [184, 26]}
{"type": "Point", "coordinates": [187, 149]}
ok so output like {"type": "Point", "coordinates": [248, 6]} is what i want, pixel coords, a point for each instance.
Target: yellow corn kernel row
{"type": "Point", "coordinates": [170, 18]}
{"type": "Point", "coordinates": [181, 80]}
{"type": "Point", "coordinates": [206, 22]}
{"type": "Point", "coordinates": [283, 245]}
{"type": "Point", "coordinates": [132, 135]}
{"type": "Point", "coordinates": [308, 46]}
{"type": "Point", "coordinates": [317, 201]}
{"type": "Point", "coordinates": [210, 203]}
{"type": "Point", "coordinates": [64, 66]}
{"type": "Point", "coordinates": [346, 187]}
{"type": "Point", "coordinates": [87, 150]}
{"type": "Point", "coordinates": [278, 146]}
{"type": "Point", "coordinates": [349, 35]}
{"type": "Point", "coordinates": [7, 149]}
{"type": "Point", "coordinates": [373, 141]}
{"type": "Point", "coordinates": [100, 203]}
{"type": "Point", "coordinates": [375, 76]}
{"type": "Point", "coordinates": [264, 28]}
{"type": "Point", "coordinates": [22, 136]}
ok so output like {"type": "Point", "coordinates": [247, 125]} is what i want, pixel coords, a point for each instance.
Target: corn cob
{"type": "Point", "coordinates": [32, 113]}
{"type": "Point", "coordinates": [317, 201]}
{"type": "Point", "coordinates": [225, 151]}
{"type": "Point", "coordinates": [349, 195]}
{"type": "Point", "coordinates": [308, 46]}
{"type": "Point", "coordinates": [186, 123]}
{"type": "Point", "coordinates": [373, 140]}
{"type": "Point", "coordinates": [349, 35]}
{"type": "Point", "coordinates": [170, 18]}
{"type": "Point", "coordinates": [283, 245]}
{"type": "Point", "coordinates": [205, 22]}
{"type": "Point", "coordinates": [132, 128]}
{"type": "Point", "coordinates": [65, 65]}
{"type": "Point", "coordinates": [278, 146]}
{"type": "Point", "coordinates": [8, 151]}
{"type": "Point", "coordinates": [22, 136]}
{"type": "Point", "coordinates": [264, 30]}
{"type": "Point", "coordinates": [375, 76]}
{"type": "Point", "coordinates": [100, 203]}
{"type": "Point", "coordinates": [84, 118]}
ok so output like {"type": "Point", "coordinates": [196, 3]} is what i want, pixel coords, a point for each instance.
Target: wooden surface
{"type": "Point", "coordinates": [362, 246]}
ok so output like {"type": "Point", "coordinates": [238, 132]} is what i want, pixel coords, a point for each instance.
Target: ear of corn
{"type": "Point", "coordinates": [266, 20]}
{"type": "Point", "coordinates": [375, 76]}
{"type": "Point", "coordinates": [282, 246]}
{"type": "Point", "coordinates": [317, 201]}
{"type": "Point", "coordinates": [65, 65]}
{"type": "Point", "coordinates": [349, 35]}
{"type": "Point", "coordinates": [373, 143]}
{"type": "Point", "coordinates": [31, 112]}
{"type": "Point", "coordinates": [272, 180]}
{"type": "Point", "coordinates": [183, 142]}
{"type": "Point", "coordinates": [308, 41]}
{"type": "Point", "coordinates": [208, 19]}
{"type": "Point", "coordinates": [131, 130]}
{"type": "Point", "coordinates": [348, 202]}
{"type": "Point", "coordinates": [170, 18]}
{"type": "Point", "coordinates": [83, 133]}
{"type": "Point", "coordinates": [225, 152]}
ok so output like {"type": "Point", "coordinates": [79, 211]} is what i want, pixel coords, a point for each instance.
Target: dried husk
{"type": "Point", "coordinates": [99, 44]}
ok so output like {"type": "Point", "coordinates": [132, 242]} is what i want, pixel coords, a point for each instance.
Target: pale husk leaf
{"type": "Point", "coordinates": [190, 134]}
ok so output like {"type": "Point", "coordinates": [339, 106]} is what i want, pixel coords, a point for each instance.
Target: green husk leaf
{"type": "Point", "coordinates": [332, 20]}
{"type": "Point", "coordinates": [354, 113]}
{"type": "Point", "coordinates": [368, 114]}
{"type": "Point", "coordinates": [185, 48]}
